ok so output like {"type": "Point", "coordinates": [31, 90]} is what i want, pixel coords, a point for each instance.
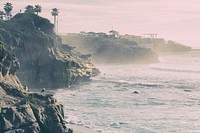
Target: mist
{"type": "Point", "coordinates": [114, 48]}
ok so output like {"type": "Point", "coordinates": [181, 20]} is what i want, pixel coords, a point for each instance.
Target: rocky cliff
{"type": "Point", "coordinates": [110, 49]}
{"type": "Point", "coordinates": [45, 62]}
{"type": "Point", "coordinates": [159, 45]}
{"type": "Point", "coordinates": [22, 112]}
{"type": "Point", "coordinates": [170, 47]}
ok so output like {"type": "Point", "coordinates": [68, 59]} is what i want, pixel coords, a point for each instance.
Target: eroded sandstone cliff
{"type": "Point", "coordinates": [45, 62]}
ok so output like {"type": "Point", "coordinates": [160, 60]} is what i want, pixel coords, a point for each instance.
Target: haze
{"type": "Point", "coordinates": [173, 19]}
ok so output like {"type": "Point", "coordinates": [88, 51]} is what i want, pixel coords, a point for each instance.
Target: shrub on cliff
{"type": "Point", "coordinates": [33, 22]}
{"type": "Point", "coordinates": [26, 27]}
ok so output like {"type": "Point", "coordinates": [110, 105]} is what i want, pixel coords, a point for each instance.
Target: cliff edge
{"type": "Point", "coordinates": [45, 61]}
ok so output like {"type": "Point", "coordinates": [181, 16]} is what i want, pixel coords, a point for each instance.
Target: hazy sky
{"type": "Point", "coordinates": [178, 20]}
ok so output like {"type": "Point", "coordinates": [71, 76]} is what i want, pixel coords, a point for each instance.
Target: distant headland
{"type": "Point", "coordinates": [116, 48]}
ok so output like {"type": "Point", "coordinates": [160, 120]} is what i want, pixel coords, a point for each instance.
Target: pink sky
{"type": "Point", "coordinates": [172, 19]}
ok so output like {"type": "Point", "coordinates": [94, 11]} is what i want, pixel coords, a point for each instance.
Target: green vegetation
{"type": "Point", "coordinates": [2, 14]}
{"type": "Point", "coordinates": [38, 9]}
{"type": "Point", "coordinates": [8, 8]}
{"type": "Point", "coordinates": [31, 9]}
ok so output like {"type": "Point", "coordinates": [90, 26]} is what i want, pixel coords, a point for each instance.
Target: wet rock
{"type": "Point", "coordinates": [31, 113]}
{"type": "Point", "coordinates": [188, 90]}
{"type": "Point", "coordinates": [136, 92]}
{"type": "Point", "coordinates": [22, 112]}
{"type": "Point", "coordinates": [21, 117]}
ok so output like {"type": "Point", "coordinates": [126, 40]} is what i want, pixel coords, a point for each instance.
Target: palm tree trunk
{"type": "Point", "coordinates": [55, 23]}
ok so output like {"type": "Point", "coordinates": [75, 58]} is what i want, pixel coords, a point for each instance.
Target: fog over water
{"type": "Point", "coordinates": [173, 19]}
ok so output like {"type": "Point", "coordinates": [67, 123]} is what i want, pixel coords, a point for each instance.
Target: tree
{"type": "Point", "coordinates": [38, 9]}
{"type": "Point", "coordinates": [2, 14]}
{"type": "Point", "coordinates": [55, 13]}
{"type": "Point", "coordinates": [8, 8]}
{"type": "Point", "coordinates": [29, 9]}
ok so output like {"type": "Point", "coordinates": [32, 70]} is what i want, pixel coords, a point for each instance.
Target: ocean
{"type": "Point", "coordinates": [158, 98]}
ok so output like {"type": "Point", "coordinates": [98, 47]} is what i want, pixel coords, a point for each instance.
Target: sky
{"type": "Point", "coordinates": [176, 20]}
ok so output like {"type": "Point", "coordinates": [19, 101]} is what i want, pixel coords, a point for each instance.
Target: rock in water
{"type": "Point", "coordinates": [136, 92]}
{"type": "Point", "coordinates": [43, 90]}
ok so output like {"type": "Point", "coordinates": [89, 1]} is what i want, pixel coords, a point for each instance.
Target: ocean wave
{"type": "Point", "coordinates": [175, 70]}
{"type": "Point", "coordinates": [124, 85]}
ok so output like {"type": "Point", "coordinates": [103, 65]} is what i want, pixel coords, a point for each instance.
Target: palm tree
{"type": "Point", "coordinates": [29, 9]}
{"type": "Point", "coordinates": [8, 8]}
{"type": "Point", "coordinates": [2, 14]}
{"type": "Point", "coordinates": [38, 9]}
{"type": "Point", "coordinates": [55, 13]}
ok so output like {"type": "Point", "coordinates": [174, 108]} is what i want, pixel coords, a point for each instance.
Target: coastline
{"type": "Point", "coordinates": [74, 127]}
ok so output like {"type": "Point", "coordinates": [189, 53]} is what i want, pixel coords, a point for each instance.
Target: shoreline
{"type": "Point", "coordinates": [76, 128]}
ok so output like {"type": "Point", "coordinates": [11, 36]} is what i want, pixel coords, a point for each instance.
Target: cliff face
{"type": "Point", "coordinates": [8, 67]}
{"type": "Point", "coordinates": [159, 45]}
{"type": "Point", "coordinates": [44, 61]}
{"type": "Point", "coordinates": [25, 112]}
{"type": "Point", "coordinates": [110, 49]}
{"type": "Point", "coordinates": [170, 47]}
